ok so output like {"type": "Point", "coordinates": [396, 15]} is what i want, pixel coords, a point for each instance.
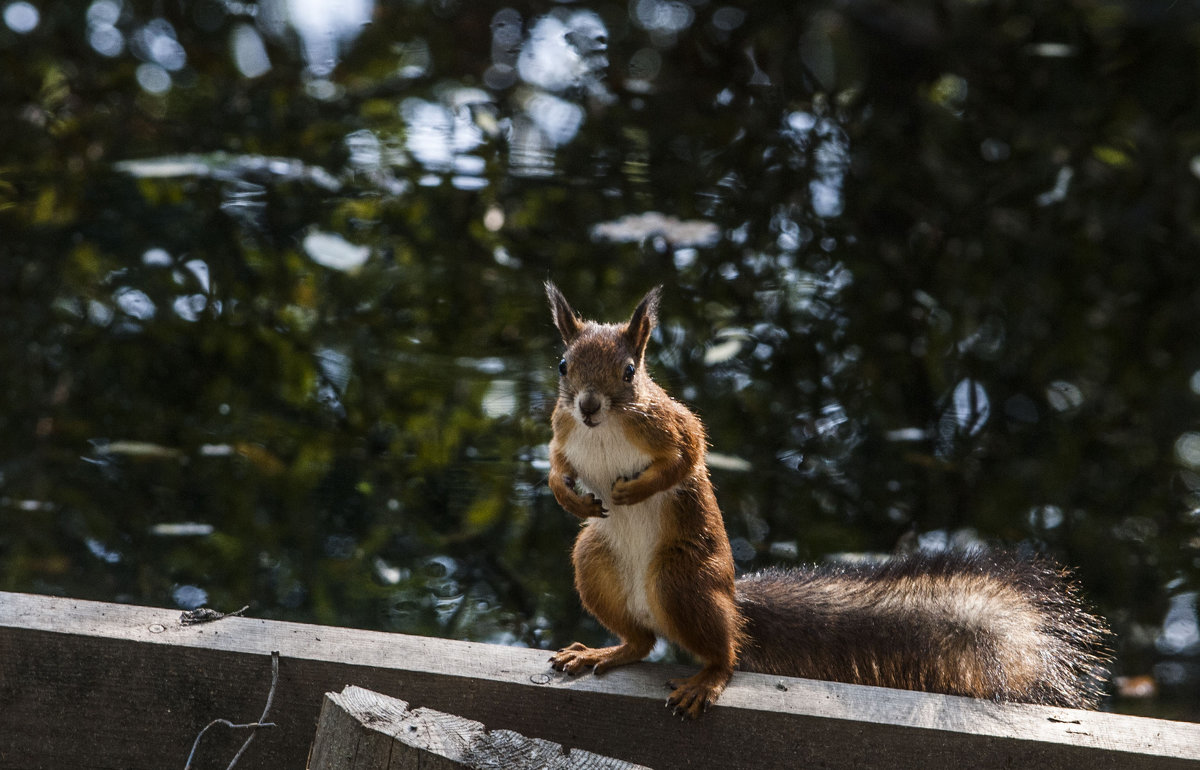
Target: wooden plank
{"type": "Point", "coordinates": [364, 730]}
{"type": "Point", "coordinates": [342, 744]}
{"type": "Point", "coordinates": [134, 686]}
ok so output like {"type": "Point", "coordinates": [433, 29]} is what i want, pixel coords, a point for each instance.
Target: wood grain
{"type": "Point", "coordinates": [364, 730]}
{"type": "Point", "coordinates": [90, 684]}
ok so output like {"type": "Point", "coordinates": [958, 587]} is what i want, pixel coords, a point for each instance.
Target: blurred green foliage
{"type": "Point", "coordinates": [953, 295]}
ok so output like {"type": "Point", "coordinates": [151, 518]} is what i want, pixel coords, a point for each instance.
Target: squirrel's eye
{"type": "Point", "coordinates": [629, 372]}
{"type": "Point", "coordinates": [562, 367]}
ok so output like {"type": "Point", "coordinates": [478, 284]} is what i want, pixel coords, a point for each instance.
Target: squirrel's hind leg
{"type": "Point", "coordinates": [604, 592]}
{"type": "Point", "coordinates": [698, 612]}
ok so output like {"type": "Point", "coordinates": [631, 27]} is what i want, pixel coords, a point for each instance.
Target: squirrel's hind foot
{"type": "Point", "coordinates": [692, 696]}
{"type": "Point", "coordinates": [577, 658]}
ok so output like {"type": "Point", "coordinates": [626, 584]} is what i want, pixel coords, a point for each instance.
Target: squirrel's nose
{"type": "Point", "coordinates": [589, 404]}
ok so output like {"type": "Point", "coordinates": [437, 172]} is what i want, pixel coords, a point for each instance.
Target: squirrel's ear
{"type": "Point", "coordinates": [642, 322]}
{"type": "Point", "coordinates": [564, 317]}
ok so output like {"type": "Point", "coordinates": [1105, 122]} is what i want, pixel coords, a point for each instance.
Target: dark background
{"type": "Point", "coordinates": [930, 277]}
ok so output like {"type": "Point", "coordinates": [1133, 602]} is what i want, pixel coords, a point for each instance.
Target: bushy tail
{"type": "Point", "coordinates": [986, 625]}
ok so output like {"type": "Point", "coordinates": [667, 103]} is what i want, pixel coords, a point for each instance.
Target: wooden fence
{"type": "Point", "coordinates": [89, 684]}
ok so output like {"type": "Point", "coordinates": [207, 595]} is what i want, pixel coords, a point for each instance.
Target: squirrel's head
{"type": "Point", "coordinates": [603, 367]}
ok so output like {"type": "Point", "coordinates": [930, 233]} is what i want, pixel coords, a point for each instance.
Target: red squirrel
{"type": "Point", "coordinates": [653, 559]}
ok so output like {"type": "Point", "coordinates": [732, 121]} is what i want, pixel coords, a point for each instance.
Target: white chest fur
{"type": "Point", "coordinates": [632, 533]}
{"type": "Point", "coordinates": [600, 456]}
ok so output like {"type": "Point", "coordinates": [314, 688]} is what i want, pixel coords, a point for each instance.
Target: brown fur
{"type": "Point", "coordinates": [653, 559]}
{"type": "Point", "coordinates": [688, 582]}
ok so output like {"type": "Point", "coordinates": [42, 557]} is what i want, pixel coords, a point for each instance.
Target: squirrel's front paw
{"type": "Point", "coordinates": [627, 492]}
{"type": "Point", "coordinates": [585, 506]}
{"type": "Point", "coordinates": [591, 506]}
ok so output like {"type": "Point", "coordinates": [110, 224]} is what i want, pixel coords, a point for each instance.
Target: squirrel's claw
{"type": "Point", "coordinates": [569, 659]}
{"type": "Point", "coordinates": [581, 504]}
{"type": "Point", "coordinates": [593, 504]}
{"type": "Point", "coordinates": [689, 699]}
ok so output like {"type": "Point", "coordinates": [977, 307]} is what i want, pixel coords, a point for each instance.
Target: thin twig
{"type": "Point", "coordinates": [262, 721]}
{"type": "Point", "coordinates": [266, 709]}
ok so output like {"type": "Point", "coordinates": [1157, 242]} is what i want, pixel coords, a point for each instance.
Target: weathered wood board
{"type": "Point", "coordinates": [364, 730]}
{"type": "Point", "coordinates": [89, 684]}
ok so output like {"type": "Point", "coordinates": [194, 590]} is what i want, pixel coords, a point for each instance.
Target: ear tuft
{"type": "Point", "coordinates": [565, 319]}
{"type": "Point", "coordinates": [642, 322]}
